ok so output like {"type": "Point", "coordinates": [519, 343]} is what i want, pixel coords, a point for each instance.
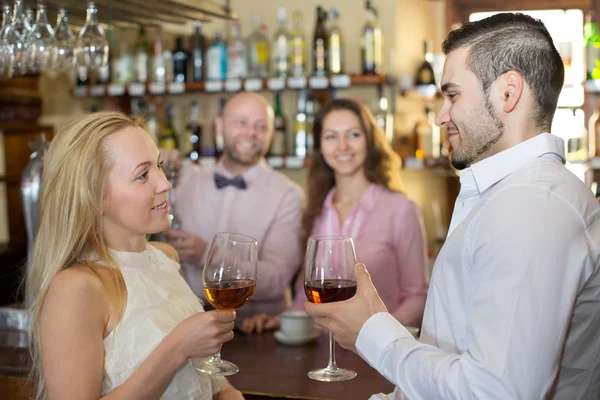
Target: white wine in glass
{"type": "Point", "coordinates": [229, 280]}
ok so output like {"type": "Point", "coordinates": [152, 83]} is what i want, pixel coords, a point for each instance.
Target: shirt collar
{"type": "Point", "coordinates": [367, 200]}
{"type": "Point", "coordinates": [249, 176]}
{"type": "Point", "coordinates": [492, 170]}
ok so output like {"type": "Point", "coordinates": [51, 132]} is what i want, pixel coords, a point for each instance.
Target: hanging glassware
{"type": "Point", "coordinates": [40, 43]}
{"type": "Point", "coordinates": [63, 59]}
{"type": "Point", "coordinates": [30, 17]}
{"type": "Point", "coordinates": [92, 46]}
{"type": "Point", "coordinates": [14, 39]}
{"type": "Point", "coordinates": [5, 59]}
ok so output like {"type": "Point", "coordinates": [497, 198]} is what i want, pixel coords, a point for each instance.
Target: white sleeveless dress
{"type": "Point", "coordinates": [157, 300]}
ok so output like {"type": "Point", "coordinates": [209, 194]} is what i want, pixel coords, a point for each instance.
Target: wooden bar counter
{"type": "Point", "coordinates": [269, 370]}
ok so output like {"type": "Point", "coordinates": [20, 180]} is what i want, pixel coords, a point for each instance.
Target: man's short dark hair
{"type": "Point", "coordinates": [506, 42]}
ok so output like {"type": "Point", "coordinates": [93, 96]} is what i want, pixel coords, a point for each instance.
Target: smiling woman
{"type": "Point", "coordinates": [98, 287]}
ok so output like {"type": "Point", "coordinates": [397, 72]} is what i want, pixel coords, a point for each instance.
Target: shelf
{"type": "Point", "coordinates": [228, 86]}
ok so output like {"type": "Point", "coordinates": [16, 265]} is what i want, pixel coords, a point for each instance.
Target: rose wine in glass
{"type": "Point", "coordinates": [328, 277]}
{"type": "Point", "coordinates": [229, 280]}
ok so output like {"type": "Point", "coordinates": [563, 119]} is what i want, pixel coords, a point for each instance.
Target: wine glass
{"type": "Point", "coordinates": [328, 277]}
{"type": "Point", "coordinates": [40, 43]}
{"type": "Point", "coordinates": [63, 59]}
{"type": "Point", "coordinates": [229, 280]}
{"type": "Point", "coordinates": [14, 35]}
{"type": "Point", "coordinates": [92, 43]}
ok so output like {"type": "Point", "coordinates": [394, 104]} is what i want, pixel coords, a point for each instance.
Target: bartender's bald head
{"type": "Point", "coordinates": [247, 128]}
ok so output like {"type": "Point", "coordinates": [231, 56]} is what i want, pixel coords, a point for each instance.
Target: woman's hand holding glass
{"type": "Point", "coordinates": [229, 280]}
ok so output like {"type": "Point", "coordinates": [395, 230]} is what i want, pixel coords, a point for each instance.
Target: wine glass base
{"type": "Point", "coordinates": [331, 374]}
{"type": "Point", "coordinates": [223, 368]}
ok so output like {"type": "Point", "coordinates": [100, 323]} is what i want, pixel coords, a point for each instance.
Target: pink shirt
{"type": "Point", "coordinates": [389, 238]}
{"type": "Point", "coordinates": [269, 210]}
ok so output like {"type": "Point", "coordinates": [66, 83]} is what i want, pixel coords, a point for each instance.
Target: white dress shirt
{"type": "Point", "coordinates": [513, 309]}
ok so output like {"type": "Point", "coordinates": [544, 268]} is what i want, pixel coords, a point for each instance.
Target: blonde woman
{"type": "Point", "coordinates": [112, 317]}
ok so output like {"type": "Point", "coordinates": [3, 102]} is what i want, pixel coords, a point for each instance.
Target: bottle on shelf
{"type": "Point", "coordinates": [193, 141]}
{"type": "Point", "coordinates": [198, 50]}
{"type": "Point", "coordinates": [180, 61]}
{"type": "Point", "coordinates": [335, 43]}
{"type": "Point", "coordinates": [300, 136]}
{"type": "Point", "coordinates": [237, 60]}
{"type": "Point", "coordinates": [219, 141]}
{"type": "Point", "coordinates": [425, 78]}
{"type": "Point", "coordinates": [167, 56]}
{"type": "Point", "coordinates": [281, 47]}
{"type": "Point", "coordinates": [592, 46]}
{"type": "Point", "coordinates": [105, 71]}
{"type": "Point", "coordinates": [258, 51]}
{"type": "Point", "coordinates": [168, 137]}
{"type": "Point", "coordinates": [383, 115]}
{"type": "Point", "coordinates": [310, 119]}
{"type": "Point", "coordinates": [142, 50]}
{"type": "Point", "coordinates": [594, 134]}
{"type": "Point", "coordinates": [126, 74]}
{"type": "Point", "coordinates": [151, 121]}
{"type": "Point", "coordinates": [320, 44]}
{"type": "Point", "coordinates": [82, 76]}
{"type": "Point", "coordinates": [216, 59]}
{"type": "Point", "coordinates": [158, 62]}
{"type": "Point", "coordinates": [427, 136]}
{"type": "Point", "coordinates": [371, 42]}
{"type": "Point", "coordinates": [298, 47]}
{"type": "Point", "coordinates": [278, 144]}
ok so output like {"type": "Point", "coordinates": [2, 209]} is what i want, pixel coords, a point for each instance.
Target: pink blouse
{"type": "Point", "coordinates": [389, 238]}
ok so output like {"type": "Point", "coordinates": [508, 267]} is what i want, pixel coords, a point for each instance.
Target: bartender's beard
{"type": "Point", "coordinates": [246, 159]}
{"type": "Point", "coordinates": [484, 131]}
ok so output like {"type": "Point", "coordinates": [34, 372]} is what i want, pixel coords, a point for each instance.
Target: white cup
{"type": "Point", "coordinates": [297, 324]}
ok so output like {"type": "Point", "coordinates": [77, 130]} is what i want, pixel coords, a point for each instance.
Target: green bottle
{"type": "Point", "coordinates": [592, 47]}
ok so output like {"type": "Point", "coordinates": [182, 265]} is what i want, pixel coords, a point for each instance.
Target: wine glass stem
{"type": "Point", "coordinates": [331, 365]}
{"type": "Point", "coordinates": [216, 359]}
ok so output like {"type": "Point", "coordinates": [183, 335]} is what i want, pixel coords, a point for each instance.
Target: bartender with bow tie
{"type": "Point", "coordinates": [242, 194]}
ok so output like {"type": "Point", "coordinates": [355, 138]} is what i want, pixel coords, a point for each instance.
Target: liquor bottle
{"type": "Point", "coordinates": [281, 46]}
{"type": "Point", "coordinates": [310, 119]}
{"type": "Point", "coordinates": [592, 46]}
{"type": "Point", "coordinates": [320, 44]}
{"type": "Point", "coordinates": [258, 51]}
{"type": "Point", "coordinates": [141, 56]}
{"type": "Point", "coordinates": [198, 49]}
{"type": "Point", "coordinates": [300, 138]}
{"type": "Point", "coordinates": [180, 61]}
{"type": "Point", "coordinates": [151, 121]}
{"type": "Point", "coordinates": [82, 76]}
{"type": "Point", "coordinates": [168, 138]}
{"type": "Point", "coordinates": [383, 116]}
{"type": "Point", "coordinates": [423, 135]}
{"type": "Point", "coordinates": [216, 59]}
{"type": "Point", "coordinates": [126, 74]}
{"type": "Point", "coordinates": [167, 56]}
{"type": "Point", "coordinates": [298, 47]}
{"type": "Point", "coordinates": [219, 141]}
{"type": "Point", "coordinates": [278, 144]}
{"type": "Point", "coordinates": [193, 142]}
{"type": "Point", "coordinates": [425, 79]}
{"type": "Point", "coordinates": [371, 43]}
{"type": "Point", "coordinates": [594, 134]}
{"type": "Point", "coordinates": [237, 61]}
{"type": "Point", "coordinates": [335, 44]}
{"type": "Point", "coordinates": [158, 62]}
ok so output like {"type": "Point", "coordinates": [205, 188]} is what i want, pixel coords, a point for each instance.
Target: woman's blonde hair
{"type": "Point", "coordinates": [74, 183]}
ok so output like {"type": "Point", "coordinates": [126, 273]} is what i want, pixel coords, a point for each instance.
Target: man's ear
{"type": "Point", "coordinates": [513, 89]}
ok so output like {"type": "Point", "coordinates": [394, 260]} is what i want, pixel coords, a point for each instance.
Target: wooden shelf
{"type": "Point", "coordinates": [229, 86]}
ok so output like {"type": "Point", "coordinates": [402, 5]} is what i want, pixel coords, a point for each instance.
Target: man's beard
{"type": "Point", "coordinates": [479, 140]}
{"type": "Point", "coordinates": [233, 155]}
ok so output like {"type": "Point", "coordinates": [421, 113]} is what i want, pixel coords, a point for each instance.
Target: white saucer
{"type": "Point", "coordinates": [291, 340]}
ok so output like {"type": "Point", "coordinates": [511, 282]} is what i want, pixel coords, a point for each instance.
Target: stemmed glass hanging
{"type": "Point", "coordinates": [39, 44]}
{"type": "Point", "coordinates": [30, 17]}
{"type": "Point", "coordinates": [92, 44]}
{"type": "Point", "coordinates": [63, 59]}
{"type": "Point", "coordinates": [14, 39]}
{"type": "Point", "coordinates": [5, 59]}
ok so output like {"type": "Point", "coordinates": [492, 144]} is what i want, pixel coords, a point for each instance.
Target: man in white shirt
{"type": "Point", "coordinates": [242, 194]}
{"type": "Point", "coordinates": [513, 309]}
